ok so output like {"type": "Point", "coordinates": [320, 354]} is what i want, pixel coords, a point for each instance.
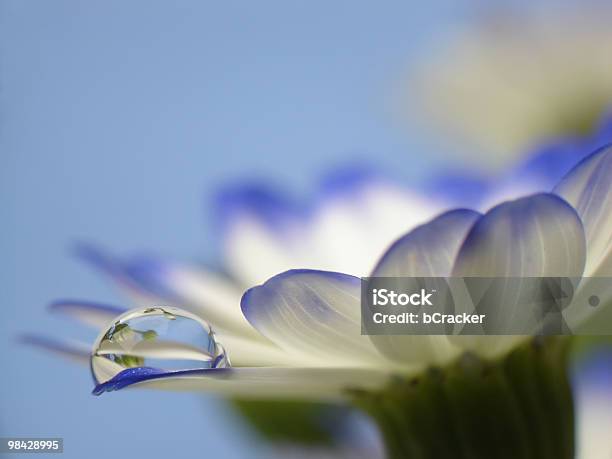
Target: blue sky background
{"type": "Point", "coordinates": [119, 119]}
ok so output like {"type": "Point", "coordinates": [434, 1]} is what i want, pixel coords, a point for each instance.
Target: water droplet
{"type": "Point", "coordinates": [159, 339]}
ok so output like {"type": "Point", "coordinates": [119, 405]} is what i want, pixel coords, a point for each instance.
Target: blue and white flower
{"type": "Point", "coordinates": [516, 77]}
{"type": "Point", "coordinates": [298, 333]}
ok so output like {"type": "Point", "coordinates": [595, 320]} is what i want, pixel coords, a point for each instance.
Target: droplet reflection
{"type": "Point", "coordinates": [159, 339]}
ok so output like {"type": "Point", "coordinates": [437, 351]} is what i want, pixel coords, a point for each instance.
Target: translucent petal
{"type": "Point", "coordinates": [427, 251]}
{"type": "Point", "coordinates": [96, 315]}
{"type": "Point", "coordinates": [314, 313]}
{"type": "Point", "coordinates": [588, 187]}
{"type": "Point", "coordinates": [258, 383]}
{"type": "Point", "coordinates": [536, 236]}
{"type": "Point", "coordinates": [430, 249]}
{"type": "Point", "coordinates": [540, 235]}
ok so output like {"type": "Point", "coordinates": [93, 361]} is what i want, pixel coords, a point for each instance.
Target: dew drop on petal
{"type": "Point", "coordinates": [158, 339]}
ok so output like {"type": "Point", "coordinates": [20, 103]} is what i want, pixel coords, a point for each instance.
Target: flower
{"type": "Point", "coordinates": [263, 233]}
{"type": "Point", "coordinates": [298, 333]}
{"type": "Point", "coordinates": [542, 72]}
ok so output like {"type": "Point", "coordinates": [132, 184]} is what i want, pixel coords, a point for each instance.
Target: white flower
{"type": "Point", "coordinates": [262, 235]}
{"type": "Point", "coordinates": [298, 334]}
{"type": "Point", "coordinates": [518, 78]}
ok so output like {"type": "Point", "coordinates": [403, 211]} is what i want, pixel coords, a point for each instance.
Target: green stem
{"type": "Point", "coordinates": [516, 407]}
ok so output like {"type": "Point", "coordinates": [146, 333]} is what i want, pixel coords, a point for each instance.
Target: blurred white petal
{"type": "Point", "coordinates": [518, 77]}
{"type": "Point", "coordinates": [253, 252]}
{"type": "Point", "coordinates": [96, 315]}
{"type": "Point", "coordinates": [369, 216]}
{"type": "Point", "coordinates": [205, 293]}
{"type": "Point", "coordinates": [151, 280]}
{"type": "Point", "coordinates": [588, 187]}
{"type": "Point", "coordinates": [75, 351]}
{"type": "Point", "coordinates": [350, 232]}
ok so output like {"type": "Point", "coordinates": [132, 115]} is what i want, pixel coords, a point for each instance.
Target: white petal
{"type": "Point", "coordinates": [244, 351]}
{"type": "Point", "coordinates": [427, 251]}
{"type": "Point", "coordinates": [267, 236]}
{"type": "Point", "coordinates": [536, 236]}
{"type": "Point", "coordinates": [262, 230]}
{"type": "Point", "coordinates": [205, 293]}
{"type": "Point", "coordinates": [539, 235]}
{"type": "Point", "coordinates": [258, 383]}
{"type": "Point", "coordinates": [253, 252]}
{"type": "Point", "coordinates": [314, 313]}
{"type": "Point", "coordinates": [96, 315]}
{"type": "Point", "coordinates": [150, 280]}
{"type": "Point", "coordinates": [588, 187]}
{"type": "Point", "coordinates": [430, 249]}
{"type": "Point", "coordinates": [351, 230]}
{"type": "Point", "coordinates": [242, 347]}
{"type": "Point", "coordinates": [241, 351]}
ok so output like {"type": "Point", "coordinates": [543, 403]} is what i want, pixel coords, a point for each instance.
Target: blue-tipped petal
{"type": "Point", "coordinates": [314, 313]}
{"type": "Point", "coordinates": [105, 263]}
{"type": "Point", "coordinates": [551, 162]}
{"type": "Point", "coordinates": [161, 281]}
{"type": "Point", "coordinates": [256, 382]}
{"type": "Point", "coordinates": [259, 201]}
{"type": "Point", "coordinates": [98, 258]}
{"type": "Point", "coordinates": [128, 377]}
{"type": "Point", "coordinates": [96, 315]}
{"type": "Point", "coordinates": [149, 273]}
{"type": "Point", "coordinates": [261, 231]}
{"type": "Point", "coordinates": [78, 352]}
{"type": "Point", "coordinates": [140, 274]}
{"type": "Point", "coordinates": [588, 187]}
{"type": "Point", "coordinates": [594, 370]}
{"type": "Point", "coordinates": [603, 136]}
{"type": "Point", "coordinates": [429, 250]}
{"type": "Point", "coordinates": [458, 189]}
{"type": "Point", "coordinates": [349, 180]}
{"type": "Point", "coordinates": [539, 235]}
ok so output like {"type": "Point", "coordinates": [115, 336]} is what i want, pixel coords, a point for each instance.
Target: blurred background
{"type": "Point", "coordinates": [119, 120]}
